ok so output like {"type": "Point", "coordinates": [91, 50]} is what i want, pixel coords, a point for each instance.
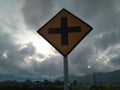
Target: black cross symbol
{"type": "Point", "coordinates": [64, 30]}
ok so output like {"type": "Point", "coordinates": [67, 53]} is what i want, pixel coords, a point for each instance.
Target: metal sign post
{"type": "Point", "coordinates": [66, 77]}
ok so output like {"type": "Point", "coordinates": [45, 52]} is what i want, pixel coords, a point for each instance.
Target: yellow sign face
{"type": "Point", "coordinates": [64, 31]}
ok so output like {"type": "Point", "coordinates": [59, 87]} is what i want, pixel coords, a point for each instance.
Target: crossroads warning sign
{"type": "Point", "coordinates": [64, 31]}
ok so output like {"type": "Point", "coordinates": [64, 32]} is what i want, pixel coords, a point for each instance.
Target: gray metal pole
{"type": "Point", "coordinates": [94, 76]}
{"type": "Point", "coordinates": [66, 79]}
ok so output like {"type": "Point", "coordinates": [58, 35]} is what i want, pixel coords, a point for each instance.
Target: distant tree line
{"type": "Point", "coordinates": [31, 85]}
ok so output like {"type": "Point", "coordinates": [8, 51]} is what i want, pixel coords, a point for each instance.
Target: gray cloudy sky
{"type": "Point", "coordinates": [24, 53]}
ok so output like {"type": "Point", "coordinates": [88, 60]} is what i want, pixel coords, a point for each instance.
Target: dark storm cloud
{"type": "Point", "coordinates": [115, 60]}
{"type": "Point", "coordinates": [12, 58]}
{"type": "Point", "coordinates": [108, 39]}
{"type": "Point", "coordinates": [20, 60]}
{"type": "Point", "coordinates": [6, 41]}
{"type": "Point", "coordinates": [10, 16]}
{"type": "Point", "coordinates": [79, 62]}
{"type": "Point", "coordinates": [51, 66]}
{"type": "Point", "coordinates": [28, 49]}
{"type": "Point", "coordinates": [104, 17]}
{"type": "Point", "coordinates": [103, 12]}
{"type": "Point", "coordinates": [7, 46]}
{"type": "Point", "coordinates": [36, 11]}
{"type": "Point", "coordinates": [90, 8]}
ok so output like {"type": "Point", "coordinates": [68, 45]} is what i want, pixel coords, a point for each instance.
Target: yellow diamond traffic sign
{"type": "Point", "coordinates": [64, 31]}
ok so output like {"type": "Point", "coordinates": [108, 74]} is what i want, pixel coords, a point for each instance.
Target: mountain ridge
{"type": "Point", "coordinates": [100, 77]}
{"type": "Point", "coordinates": [107, 77]}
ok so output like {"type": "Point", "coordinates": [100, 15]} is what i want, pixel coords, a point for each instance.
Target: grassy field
{"type": "Point", "coordinates": [105, 87]}
{"type": "Point", "coordinates": [29, 85]}
{"type": "Point", "coordinates": [56, 87]}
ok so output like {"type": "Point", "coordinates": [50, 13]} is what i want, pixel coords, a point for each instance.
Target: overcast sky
{"type": "Point", "coordinates": [24, 53]}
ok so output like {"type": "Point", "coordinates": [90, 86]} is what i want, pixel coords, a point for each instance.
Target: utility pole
{"type": "Point", "coordinates": [94, 77]}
